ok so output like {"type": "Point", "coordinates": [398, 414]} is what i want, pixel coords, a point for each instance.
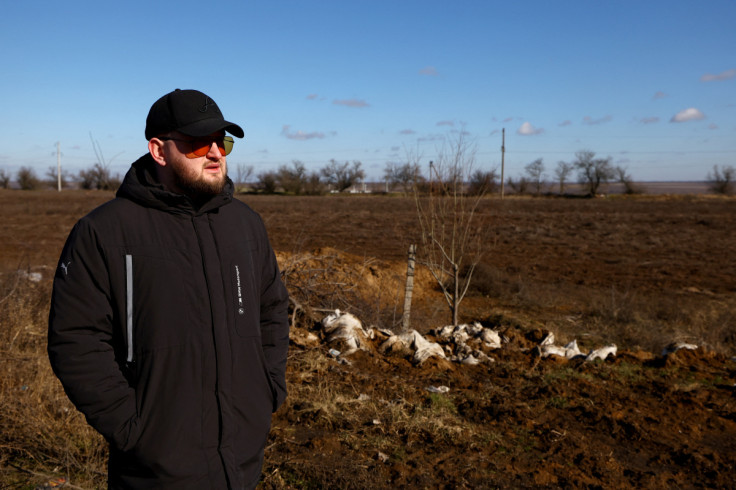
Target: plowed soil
{"type": "Point", "coordinates": [636, 272]}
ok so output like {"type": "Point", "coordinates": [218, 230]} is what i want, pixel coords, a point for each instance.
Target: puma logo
{"type": "Point", "coordinates": [65, 267]}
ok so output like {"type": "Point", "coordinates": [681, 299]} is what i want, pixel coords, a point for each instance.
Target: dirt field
{"type": "Point", "coordinates": [636, 272]}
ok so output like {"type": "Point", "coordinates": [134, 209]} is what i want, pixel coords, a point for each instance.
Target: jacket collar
{"type": "Point", "coordinates": [142, 186]}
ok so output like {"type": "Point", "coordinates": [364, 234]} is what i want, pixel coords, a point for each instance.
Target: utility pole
{"type": "Point", "coordinates": [58, 166]}
{"type": "Point", "coordinates": [503, 151]}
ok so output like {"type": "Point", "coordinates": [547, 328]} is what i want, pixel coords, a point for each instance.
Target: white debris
{"type": "Point", "coordinates": [334, 352]}
{"type": "Point", "coordinates": [460, 334]}
{"type": "Point", "coordinates": [548, 340]}
{"type": "Point", "coordinates": [470, 360]}
{"type": "Point", "coordinates": [346, 327]}
{"type": "Point", "coordinates": [412, 343]}
{"type": "Point", "coordinates": [438, 389]}
{"type": "Point", "coordinates": [31, 276]}
{"type": "Point", "coordinates": [570, 351]}
{"type": "Point", "coordinates": [675, 346]}
{"type": "Point", "coordinates": [601, 353]}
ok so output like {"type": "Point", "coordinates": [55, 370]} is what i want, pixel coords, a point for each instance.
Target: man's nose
{"type": "Point", "coordinates": [214, 151]}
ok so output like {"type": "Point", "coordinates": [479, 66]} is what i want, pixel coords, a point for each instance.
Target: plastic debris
{"type": "Point", "coordinates": [347, 328]}
{"type": "Point", "coordinates": [438, 389]}
{"type": "Point", "coordinates": [675, 346]}
{"type": "Point", "coordinates": [601, 353]}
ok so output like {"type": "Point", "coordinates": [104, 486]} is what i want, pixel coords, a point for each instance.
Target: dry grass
{"type": "Point", "coordinates": [42, 436]}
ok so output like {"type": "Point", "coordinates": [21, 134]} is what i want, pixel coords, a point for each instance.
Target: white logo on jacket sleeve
{"type": "Point", "coordinates": [65, 267]}
{"type": "Point", "coordinates": [241, 309]}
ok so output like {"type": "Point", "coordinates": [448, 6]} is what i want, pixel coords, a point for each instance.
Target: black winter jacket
{"type": "Point", "coordinates": [169, 331]}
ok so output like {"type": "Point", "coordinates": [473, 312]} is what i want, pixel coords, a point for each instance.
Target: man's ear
{"type": "Point", "coordinates": [156, 148]}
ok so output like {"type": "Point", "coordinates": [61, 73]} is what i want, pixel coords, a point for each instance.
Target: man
{"type": "Point", "coordinates": [168, 325]}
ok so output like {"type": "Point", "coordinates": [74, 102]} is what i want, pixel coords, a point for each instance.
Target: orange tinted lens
{"type": "Point", "coordinates": [201, 147]}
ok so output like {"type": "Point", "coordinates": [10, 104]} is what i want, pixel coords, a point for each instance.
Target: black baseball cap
{"type": "Point", "coordinates": [189, 112]}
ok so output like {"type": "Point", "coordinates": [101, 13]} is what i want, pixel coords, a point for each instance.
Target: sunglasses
{"type": "Point", "coordinates": [201, 146]}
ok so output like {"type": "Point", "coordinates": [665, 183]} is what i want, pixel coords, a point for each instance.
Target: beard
{"type": "Point", "coordinates": [196, 186]}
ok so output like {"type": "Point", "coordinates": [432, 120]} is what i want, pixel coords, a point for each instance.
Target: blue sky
{"type": "Point", "coordinates": [652, 84]}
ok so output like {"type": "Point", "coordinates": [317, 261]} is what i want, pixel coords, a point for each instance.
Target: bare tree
{"type": "Point", "coordinates": [722, 180]}
{"type": "Point", "coordinates": [343, 175]}
{"type": "Point", "coordinates": [292, 179]}
{"type": "Point", "coordinates": [243, 173]}
{"type": "Point", "coordinates": [53, 180]}
{"type": "Point", "coordinates": [99, 176]}
{"type": "Point", "coordinates": [403, 175]}
{"type": "Point", "coordinates": [314, 185]}
{"type": "Point", "coordinates": [451, 237]}
{"type": "Point", "coordinates": [4, 179]}
{"type": "Point", "coordinates": [483, 182]}
{"type": "Point", "coordinates": [519, 186]}
{"type": "Point", "coordinates": [27, 179]}
{"type": "Point", "coordinates": [625, 178]}
{"type": "Point", "coordinates": [592, 171]}
{"type": "Point", "coordinates": [267, 182]}
{"type": "Point", "coordinates": [535, 171]}
{"type": "Point", "coordinates": [562, 172]}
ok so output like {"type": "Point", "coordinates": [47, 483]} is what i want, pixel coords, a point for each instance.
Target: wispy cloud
{"type": "Point", "coordinates": [649, 120]}
{"type": "Point", "coordinates": [601, 120]}
{"type": "Point", "coordinates": [659, 95]}
{"type": "Point", "coordinates": [312, 96]}
{"type": "Point", "coordinates": [725, 75]}
{"type": "Point", "coordinates": [712, 126]}
{"type": "Point", "coordinates": [527, 129]}
{"type": "Point", "coordinates": [431, 137]}
{"type": "Point", "coordinates": [565, 123]}
{"type": "Point", "coordinates": [407, 131]}
{"type": "Point", "coordinates": [446, 123]}
{"type": "Point", "coordinates": [689, 114]}
{"type": "Point", "coordinates": [351, 102]}
{"type": "Point", "coordinates": [300, 135]}
{"type": "Point", "coordinates": [429, 71]}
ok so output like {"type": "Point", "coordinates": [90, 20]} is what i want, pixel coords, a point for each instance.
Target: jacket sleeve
{"type": "Point", "coordinates": [80, 339]}
{"type": "Point", "coordinates": [274, 305]}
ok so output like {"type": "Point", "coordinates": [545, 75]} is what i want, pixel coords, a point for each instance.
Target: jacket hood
{"type": "Point", "coordinates": [142, 186]}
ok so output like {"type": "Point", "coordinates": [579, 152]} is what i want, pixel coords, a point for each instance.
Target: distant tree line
{"type": "Point", "coordinates": [295, 179]}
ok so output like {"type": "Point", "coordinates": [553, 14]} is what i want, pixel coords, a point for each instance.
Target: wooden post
{"type": "Point", "coordinates": [503, 151]}
{"type": "Point", "coordinates": [409, 288]}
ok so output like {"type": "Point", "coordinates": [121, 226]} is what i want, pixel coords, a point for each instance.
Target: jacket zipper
{"type": "Point", "coordinates": [129, 306]}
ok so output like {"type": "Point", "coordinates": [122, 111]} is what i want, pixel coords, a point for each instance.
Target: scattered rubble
{"type": "Point", "coordinates": [466, 344]}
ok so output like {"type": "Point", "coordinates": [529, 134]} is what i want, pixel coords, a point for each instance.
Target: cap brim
{"type": "Point", "coordinates": [206, 127]}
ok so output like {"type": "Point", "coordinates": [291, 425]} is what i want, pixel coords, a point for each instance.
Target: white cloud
{"type": "Point", "coordinates": [351, 102]}
{"type": "Point", "coordinates": [690, 114]}
{"type": "Point", "coordinates": [726, 75]}
{"type": "Point", "coordinates": [590, 121]}
{"type": "Point", "coordinates": [300, 135]}
{"type": "Point", "coordinates": [527, 129]}
{"type": "Point", "coordinates": [430, 71]}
